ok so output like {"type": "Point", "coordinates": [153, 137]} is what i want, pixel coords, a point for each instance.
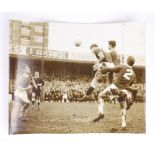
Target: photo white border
{"type": "Point", "coordinates": [79, 143]}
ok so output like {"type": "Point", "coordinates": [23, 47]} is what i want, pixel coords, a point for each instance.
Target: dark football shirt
{"type": "Point", "coordinates": [37, 81]}
{"type": "Point", "coordinates": [124, 77]}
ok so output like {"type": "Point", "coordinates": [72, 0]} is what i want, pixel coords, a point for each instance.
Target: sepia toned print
{"type": "Point", "coordinates": [76, 78]}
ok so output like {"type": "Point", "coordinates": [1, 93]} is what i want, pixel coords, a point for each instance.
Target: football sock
{"type": "Point", "coordinates": [101, 106]}
{"type": "Point", "coordinates": [123, 117]}
{"type": "Point", "coordinates": [89, 91]}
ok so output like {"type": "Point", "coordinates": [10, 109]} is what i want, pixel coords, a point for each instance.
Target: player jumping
{"type": "Point", "coordinates": [108, 59]}
{"type": "Point", "coordinates": [120, 87]}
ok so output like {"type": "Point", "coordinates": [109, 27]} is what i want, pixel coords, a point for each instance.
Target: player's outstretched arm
{"type": "Point", "coordinates": [110, 69]}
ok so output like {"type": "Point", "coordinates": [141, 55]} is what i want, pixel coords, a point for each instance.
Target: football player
{"type": "Point", "coordinates": [108, 59]}
{"type": "Point", "coordinates": [23, 86]}
{"type": "Point", "coordinates": [65, 96]}
{"type": "Point", "coordinates": [121, 87]}
{"type": "Point", "coordinates": [37, 90]}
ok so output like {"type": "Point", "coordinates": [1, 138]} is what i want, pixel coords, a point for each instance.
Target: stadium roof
{"type": "Point", "coordinates": [61, 60]}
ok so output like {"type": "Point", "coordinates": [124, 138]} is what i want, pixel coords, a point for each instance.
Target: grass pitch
{"type": "Point", "coordinates": [77, 118]}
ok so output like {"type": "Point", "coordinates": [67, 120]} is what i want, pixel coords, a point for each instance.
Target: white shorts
{"type": "Point", "coordinates": [22, 95]}
{"type": "Point", "coordinates": [109, 64]}
{"type": "Point", "coordinates": [113, 86]}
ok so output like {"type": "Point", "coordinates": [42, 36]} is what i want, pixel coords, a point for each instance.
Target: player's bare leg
{"type": "Point", "coordinates": [100, 107]}
{"type": "Point", "coordinates": [38, 102]}
{"type": "Point", "coordinates": [97, 79]}
{"type": "Point", "coordinates": [129, 104]}
{"type": "Point", "coordinates": [25, 102]}
{"type": "Point", "coordinates": [92, 86]}
{"type": "Point", "coordinates": [88, 92]}
{"type": "Point", "coordinates": [20, 112]}
{"type": "Point", "coordinates": [25, 108]}
{"type": "Point", "coordinates": [133, 97]}
{"type": "Point", "coordinates": [101, 97]}
{"type": "Point", "coordinates": [33, 100]}
{"type": "Point", "coordinates": [123, 114]}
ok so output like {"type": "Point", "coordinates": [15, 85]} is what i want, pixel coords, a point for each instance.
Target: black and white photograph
{"type": "Point", "coordinates": [76, 77]}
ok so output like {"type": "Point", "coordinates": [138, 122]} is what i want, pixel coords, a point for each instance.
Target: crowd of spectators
{"type": "Point", "coordinates": [141, 92]}
{"type": "Point", "coordinates": [55, 86]}
{"type": "Point", "coordinates": [73, 86]}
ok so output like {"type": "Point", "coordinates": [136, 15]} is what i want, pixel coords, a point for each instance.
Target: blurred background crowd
{"type": "Point", "coordinates": [70, 87]}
